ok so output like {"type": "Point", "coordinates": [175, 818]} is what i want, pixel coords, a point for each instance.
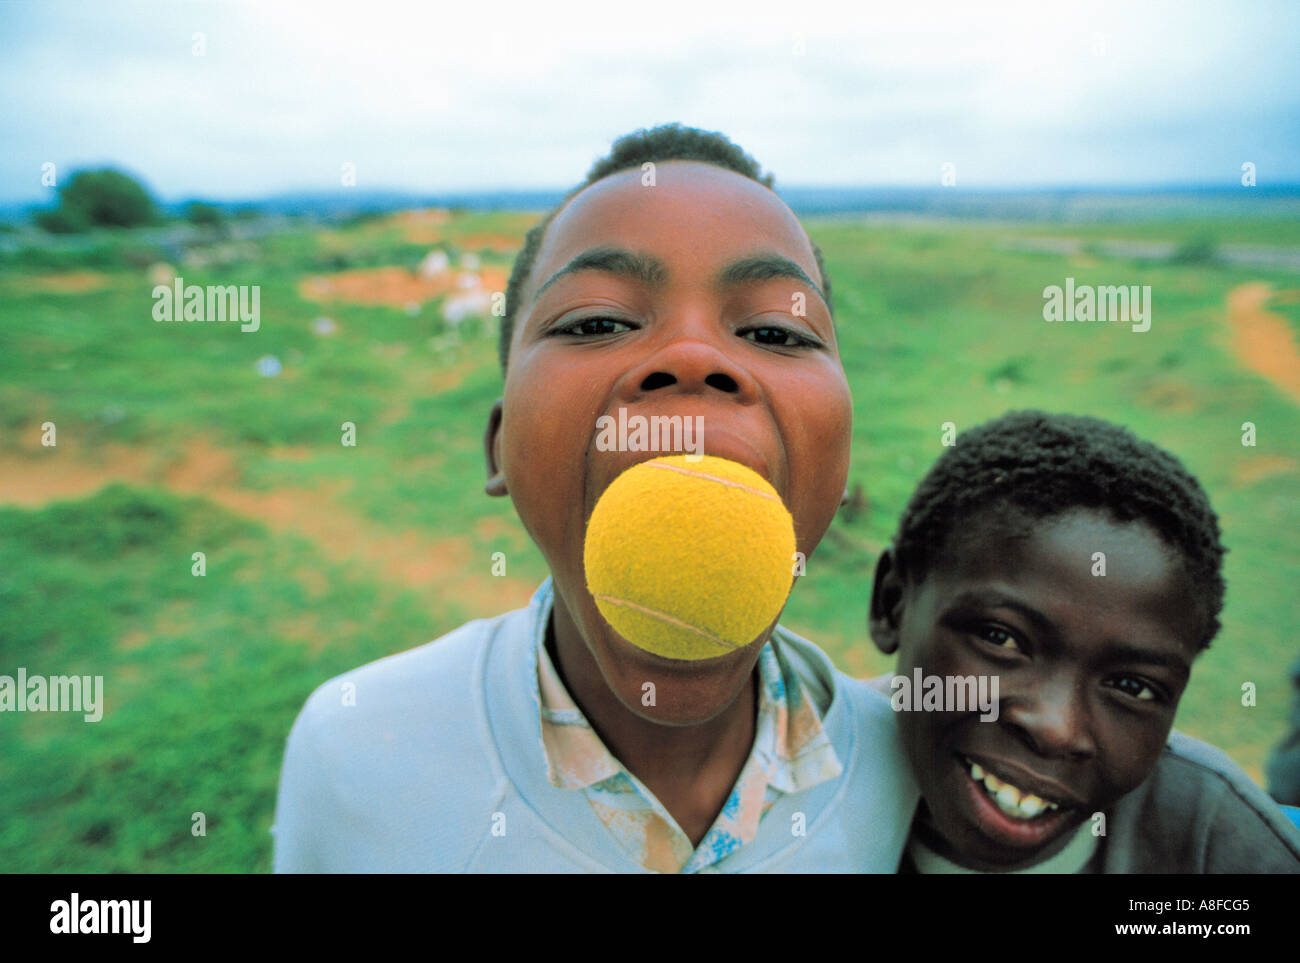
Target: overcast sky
{"type": "Point", "coordinates": [439, 96]}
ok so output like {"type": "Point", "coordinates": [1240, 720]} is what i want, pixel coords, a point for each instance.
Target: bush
{"type": "Point", "coordinates": [203, 214]}
{"type": "Point", "coordinates": [58, 220]}
{"type": "Point", "coordinates": [103, 198]}
{"type": "Point", "coordinates": [1201, 250]}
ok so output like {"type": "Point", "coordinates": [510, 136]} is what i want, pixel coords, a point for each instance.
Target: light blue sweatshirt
{"type": "Point", "coordinates": [432, 761]}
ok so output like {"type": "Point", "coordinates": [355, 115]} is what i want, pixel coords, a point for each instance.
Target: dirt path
{"type": "Point", "coordinates": [438, 567]}
{"type": "Point", "coordinates": [75, 282]}
{"type": "Point", "coordinates": [1262, 340]}
{"type": "Point", "coordinates": [396, 286]}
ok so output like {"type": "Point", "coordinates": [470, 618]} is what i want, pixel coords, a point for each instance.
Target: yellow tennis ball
{"type": "Point", "coordinates": [689, 558]}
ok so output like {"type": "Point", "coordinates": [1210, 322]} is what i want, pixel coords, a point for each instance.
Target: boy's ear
{"type": "Point", "coordinates": [496, 483]}
{"type": "Point", "coordinates": [886, 611]}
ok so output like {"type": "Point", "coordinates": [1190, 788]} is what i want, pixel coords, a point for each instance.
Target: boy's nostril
{"type": "Point", "coordinates": [661, 379]}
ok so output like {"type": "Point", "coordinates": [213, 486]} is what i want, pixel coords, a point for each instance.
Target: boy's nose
{"type": "Point", "coordinates": [1052, 716]}
{"type": "Point", "coordinates": [691, 367]}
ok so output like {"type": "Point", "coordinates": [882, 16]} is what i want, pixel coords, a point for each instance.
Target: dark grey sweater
{"type": "Point", "coordinates": [1197, 812]}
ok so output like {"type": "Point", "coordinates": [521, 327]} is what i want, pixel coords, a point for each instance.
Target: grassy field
{"type": "Point", "coordinates": [321, 557]}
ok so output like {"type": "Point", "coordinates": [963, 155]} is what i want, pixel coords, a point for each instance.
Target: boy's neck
{"type": "Point", "coordinates": [690, 769]}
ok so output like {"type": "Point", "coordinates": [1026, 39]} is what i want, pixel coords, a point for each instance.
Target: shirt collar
{"type": "Point", "coordinates": [790, 744]}
{"type": "Point", "coordinates": [1072, 858]}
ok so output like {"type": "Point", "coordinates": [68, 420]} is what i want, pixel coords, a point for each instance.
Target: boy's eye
{"type": "Point", "coordinates": [1000, 637]}
{"type": "Point", "coordinates": [1135, 688]}
{"type": "Point", "coordinates": [776, 336]}
{"type": "Point", "coordinates": [590, 327]}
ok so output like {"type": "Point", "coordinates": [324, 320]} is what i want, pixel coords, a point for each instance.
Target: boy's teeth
{"type": "Point", "coordinates": [1031, 805]}
{"type": "Point", "coordinates": [1008, 798]}
{"type": "Point", "coordinates": [1013, 801]}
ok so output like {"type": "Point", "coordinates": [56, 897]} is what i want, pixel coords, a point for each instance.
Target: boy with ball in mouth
{"type": "Point", "coordinates": [652, 715]}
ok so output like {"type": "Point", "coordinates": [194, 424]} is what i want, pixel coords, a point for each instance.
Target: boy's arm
{"type": "Point", "coordinates": [303, 800]}
{"type": "Point", "coordinates": [1247, 833]}
{"type": "Point", "coordinates": [1199, 812]}
{"type": "Point", "coordinates": [1251, 835]}
{"type": "Point", "coordinates": [1283, 768]}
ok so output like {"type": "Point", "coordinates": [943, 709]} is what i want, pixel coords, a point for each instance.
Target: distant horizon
{"type": "Point", "coordinates": [342, 195]}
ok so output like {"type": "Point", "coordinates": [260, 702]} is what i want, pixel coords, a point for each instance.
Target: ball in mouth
{"type": "Point", "coordinates": [689, 558]}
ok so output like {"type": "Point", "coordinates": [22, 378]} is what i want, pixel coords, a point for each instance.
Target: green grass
{"type": "Point", "coordinates": [203, 676]}
{"type": "Point", "coordinates": [1290, 310]}
{"type": "Point", "coordinates": [1276, 231]}
{"type": "Point", "coordinates": [200, 680]}
{"type": "Point", "coordinates": [938, 327]}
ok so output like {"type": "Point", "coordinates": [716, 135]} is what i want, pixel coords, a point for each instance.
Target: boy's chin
{"type": "Point", "coordinates": [675, 702]}
{"type": "Point", "coordinates": [676, 713]}
{"type": "Point", "coordinates": [675, 692]}
{"type": "Point", "coordinates": [989, 854]}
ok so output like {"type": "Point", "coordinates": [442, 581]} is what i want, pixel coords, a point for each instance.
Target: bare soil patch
{"type": "Point", "coordinates": [421, 226]}
{"type": "Point", "coordinates": [74, 282]}
{"type": "Point", "coordinates": [439, 567]}
{"type": "Point", "coordinates": [1261, 339]}
{"type": "Point", "coordinates": [395, 286]}
{"type": "Point", "coordinates": [1260, 467]}
{"type": "Point", "coordinates": [501, 243]}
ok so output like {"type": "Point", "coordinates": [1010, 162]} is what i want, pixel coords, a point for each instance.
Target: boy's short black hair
{"type": "Point", "coordinates": [664, 143]}
{"type": "Point", "coordinates": [1031, 465]}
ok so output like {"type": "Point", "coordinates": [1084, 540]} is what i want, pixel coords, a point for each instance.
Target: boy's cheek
{"type": "Point", "coordinates": [815, 417]}
{"type": "Point", "coordinates": [1133, 750]}
{"type": "Point", "coordinates": [938, 652]}
{"type": "Point", "coordinates": [815, 509]}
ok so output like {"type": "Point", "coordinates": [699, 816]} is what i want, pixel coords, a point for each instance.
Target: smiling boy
{"type": "Point", "coordinates": [1080, 567]}
{"type": "Point", "coordinates": [672, 283]}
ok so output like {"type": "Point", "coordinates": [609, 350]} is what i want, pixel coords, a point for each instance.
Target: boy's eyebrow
{"type": "Point", "coordinates": [764, 267]}
{"type": "Point", "coordinates": [614, 260]}
{"type": "Point", "coordinates": [651, 271]}
{"type": "Point", "coordinates": [992, 599]}
{"type": "Point", "coordinates": [1127, 652]}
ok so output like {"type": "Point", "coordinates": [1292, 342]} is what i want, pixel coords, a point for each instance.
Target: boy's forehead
{"type": "Point", "coordinates": [1055, 560]}
{"type": "Point", "coordinates": [691, 210]}
{"type": "Point", "coordinates": [1066, 541]}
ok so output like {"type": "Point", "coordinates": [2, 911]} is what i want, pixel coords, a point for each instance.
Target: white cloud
{"type": "Point", "coordinates": [446, 96]}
